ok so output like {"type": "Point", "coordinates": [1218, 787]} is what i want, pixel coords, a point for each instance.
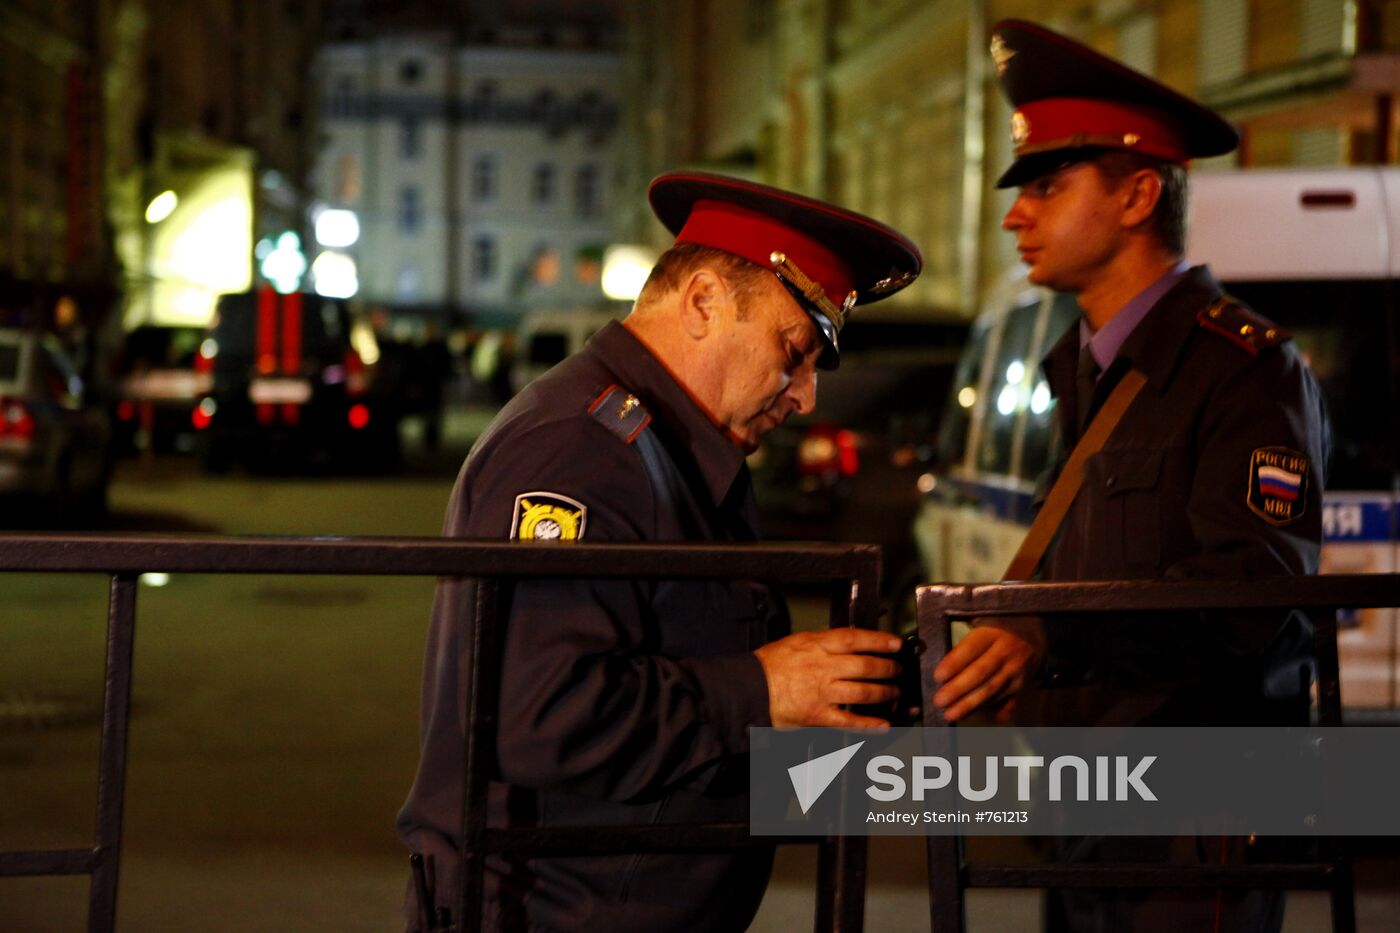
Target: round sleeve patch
{"type": "Point", "coordinates": [547, 516]}
{"type": "Point", "coordinates": [1278, 484]}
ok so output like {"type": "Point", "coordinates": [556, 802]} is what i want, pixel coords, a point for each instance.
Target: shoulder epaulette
{"type": "Point", "coordinates": [1244, 328]}
{"type": "Point", "coordinates": [620, 412]}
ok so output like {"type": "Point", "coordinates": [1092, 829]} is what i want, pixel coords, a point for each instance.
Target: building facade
{"type": "Point", "coordinates": [53, 234]}
{"type": "Point", "coordinates": [890, 106]}
{"type": "Point", "coordinates": [482, 175]}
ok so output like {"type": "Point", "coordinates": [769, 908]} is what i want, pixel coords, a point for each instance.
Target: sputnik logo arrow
{"type": "Point", "coordinates": [811, 778]}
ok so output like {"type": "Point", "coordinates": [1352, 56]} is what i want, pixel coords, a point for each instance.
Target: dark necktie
{"type": "Point", "coordinates": [1086, 380]}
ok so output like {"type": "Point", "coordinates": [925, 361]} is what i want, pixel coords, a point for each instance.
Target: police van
{"type": "Point", "coordinates": [1317, 251]}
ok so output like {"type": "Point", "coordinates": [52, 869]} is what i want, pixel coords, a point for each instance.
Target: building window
{"type": "Point", "coordinates": [410, 137]}
{"type": "Point", "coordinates": [542, 184]}
{"type": "Point", "coordinates": [410, 71]}
{"type": "Point", "coordinates": [410, 210]}
{"type": "Point", "coordinates": [407, 284]}
{"type": "Point", "coordinates": [544, 267]}
{"type": "Point", "coordinates": [342, 102]}
{"type": "Point", "coordinates": [1222, 51]}
{"type": "Point", "coordinates": [1137, 43]}
{"type": "Point", "coordinates": [347, 179]}
{"type": "Point", "coordinates": [758, 20]}
{"type": "Point", "coordinates": [587, 193]}
{"type": "Point", "coordinates": [483, 259]}
{"type": "Point", "coordinates": [484, 179]}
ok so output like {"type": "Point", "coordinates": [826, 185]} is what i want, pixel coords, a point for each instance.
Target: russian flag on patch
{"type": "Point", "coordinates": [1278, 484]}
{"type": "Point", "coordinates": [1276, 481]}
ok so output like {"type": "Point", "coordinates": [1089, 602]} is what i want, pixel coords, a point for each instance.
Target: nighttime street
{"type": "Point", "coordinates": [274, 728]}
{"type": "Point", "coordinates": [1083, 312]}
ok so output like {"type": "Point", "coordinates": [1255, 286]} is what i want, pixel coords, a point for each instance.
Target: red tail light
{"type": "Point", "coordinates": [826, 450]}
{"type": "Point", "coordinates": [16, 423]}
{"type": "Point", "coordinates": [125, 410]}
{"type": "Point", "coordinates": [203, 414]}
{"type": "Point", "coordinates": [358, 417]}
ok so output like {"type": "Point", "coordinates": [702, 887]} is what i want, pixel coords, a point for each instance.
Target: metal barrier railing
{"type": "Point", "coordinates": [852, 572]}
{"type": "Point", "coordinates": [1320, 596]}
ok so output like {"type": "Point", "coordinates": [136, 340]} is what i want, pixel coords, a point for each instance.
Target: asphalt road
{"type": "Point", "coordinates": [274, 730]}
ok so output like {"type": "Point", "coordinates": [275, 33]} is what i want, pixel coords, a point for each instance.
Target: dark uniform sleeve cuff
{"type": "Point", "coordinates": [735, 694]}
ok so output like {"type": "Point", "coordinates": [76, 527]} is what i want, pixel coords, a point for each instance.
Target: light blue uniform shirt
{"type": "Point", "coordinates": [1106, 343]}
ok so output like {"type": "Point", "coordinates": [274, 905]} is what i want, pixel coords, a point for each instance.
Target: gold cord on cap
{"type": "Point", "coordinates": [788, 271]}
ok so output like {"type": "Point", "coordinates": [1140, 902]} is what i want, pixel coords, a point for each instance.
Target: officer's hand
{"type": "Point", "coordinates": [992, 662]}
{"type": "Point", "coordinates": [812, 674]}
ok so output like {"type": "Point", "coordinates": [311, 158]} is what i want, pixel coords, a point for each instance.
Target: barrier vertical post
{"type": "Point", "coordinates": [111, 777]}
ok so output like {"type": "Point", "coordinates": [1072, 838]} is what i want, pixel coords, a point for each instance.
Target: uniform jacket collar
{"type": "Point", "coordinates": [1154, 347]}
{"type": "Point", "coordinates": [720, 463]}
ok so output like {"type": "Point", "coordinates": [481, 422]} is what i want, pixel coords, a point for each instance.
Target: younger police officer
{"type": "Point", "coordinates": [628, 702]}
{"type": "Point", "coordinates": [1216, 469]}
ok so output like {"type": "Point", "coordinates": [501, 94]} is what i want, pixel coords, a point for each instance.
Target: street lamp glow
{"type": "Point", "coordinates": [337, 228]}
{"type": "Point", "coordinates": [1040, 399]}
{"type": "Point", "coordinates": [285, 265]}
{"type": "Point", "coordinates": [1006, 401]}
{"type": "Point", "coordinates": [336, 275]}
{"type": "Point", "coordinates": [162, 206]}
{"type": "Point", "coordinates": [625, 271]}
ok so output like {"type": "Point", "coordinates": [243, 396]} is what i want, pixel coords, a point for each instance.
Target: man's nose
{"type": "Point", "coordinates": [1015, 218]}
{"type": "Point", "coordinates": [803, 390]}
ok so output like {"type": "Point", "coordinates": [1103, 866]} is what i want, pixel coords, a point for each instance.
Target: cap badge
{"type": "Point", "coordinates": [891, 283]}
{"type": "Point", "coordinates": [1020, 128]}
{"type": "Point", "coordinates": [1001, 54]}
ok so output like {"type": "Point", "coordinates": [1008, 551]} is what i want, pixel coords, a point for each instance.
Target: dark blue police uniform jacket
{"type": "Point", "coordinates": [1175, 493]}
{"type": "Point", "coordinates": [622, 702]}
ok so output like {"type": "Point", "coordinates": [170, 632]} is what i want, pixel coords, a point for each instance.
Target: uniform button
{"type": "Point", "coordinates": [760, 604]}
{"type": "Point", "coordinates": [1110, 481]}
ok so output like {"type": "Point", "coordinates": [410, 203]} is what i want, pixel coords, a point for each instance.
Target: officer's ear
{"type": "Point", "coordinates": [1141, 191]}
{"type": "Point", "coordinates": [702, 297]}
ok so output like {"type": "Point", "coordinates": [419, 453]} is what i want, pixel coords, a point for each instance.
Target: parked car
{"type": "Point", "coordinates": [158, 389]}
{"type": "Point", "coordinates": [848, 470]}
{"type": "Point", "coordinates": [289, 388]}
{"type": "Point", "coordinates": [546, 337]}
{"type": "Point", "coordinates": [54, 442]}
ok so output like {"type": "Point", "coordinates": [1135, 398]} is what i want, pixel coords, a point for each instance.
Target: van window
{"type": "Point", "coordinates": [1344, 329]}
{"type": "Point", "coordinates": [957, 413]}
{"type": "Point", "coordinates": [1007, 393]}
{"type": "Point", "coordinates": [548, 349]}
{"type": "Point", "coordinates": [1040, 415]}
{"type": "Point", "coordinates": [9, 362]}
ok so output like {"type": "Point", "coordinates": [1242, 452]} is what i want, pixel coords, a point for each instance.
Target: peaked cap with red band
{"type": "Point", "coordinates": [830, 259]}
{"type": "Point", "coordinates": [1072, 102]}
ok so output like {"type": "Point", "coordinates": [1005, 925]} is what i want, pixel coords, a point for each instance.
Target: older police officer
{"type": "Point", "coordinates": [1216, 468]}
{"type": "Point", "coordinates": [628, 702]}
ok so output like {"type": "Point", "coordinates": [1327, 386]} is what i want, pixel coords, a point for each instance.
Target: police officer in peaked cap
{"type": "Point", "coordinates": [628, 702]}
{"type": "Point", "coordinates": [1215, 469]}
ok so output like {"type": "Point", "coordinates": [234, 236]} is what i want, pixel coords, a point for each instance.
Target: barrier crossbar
{"type": "Point", "coordinates": [1320, 596]}
{"type": "Point", "coordinates": [852, 574]}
